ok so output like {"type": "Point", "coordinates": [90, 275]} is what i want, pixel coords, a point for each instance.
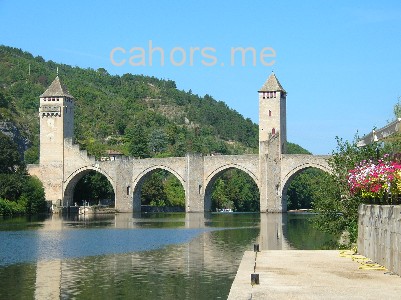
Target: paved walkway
{"type": "Point", "coordinates": [310, 274]}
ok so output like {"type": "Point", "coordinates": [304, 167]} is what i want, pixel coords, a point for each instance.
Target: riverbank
{"type": "Point", "coordinates": [310, 274]}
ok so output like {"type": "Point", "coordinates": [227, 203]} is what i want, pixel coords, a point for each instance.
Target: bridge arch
{"type": "Point", "coordinates": [294, 172]}
{"type": "Point", "coordinates": [74, 177]}
{"type": "Point", "coordinates": [140, 179]}
{"type": "Point", "coordinates": [213, 176]}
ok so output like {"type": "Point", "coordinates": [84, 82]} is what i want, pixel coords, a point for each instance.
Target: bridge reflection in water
{"type": "Point", "coordinates": [212, 251]}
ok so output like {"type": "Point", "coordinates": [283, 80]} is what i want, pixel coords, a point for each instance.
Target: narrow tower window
{"type": "Point", "coordinates": [270, 113]}
{"type": "Point", "coordinates": [274, 131]}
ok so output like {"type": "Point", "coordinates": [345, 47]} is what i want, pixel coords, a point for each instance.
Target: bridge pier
{"type": "Point", "coordinates": [270, 175]}
{"type": "Point", "coordinates": [195, 190]}
{"type": "Point", "coordinates": [122, 173]}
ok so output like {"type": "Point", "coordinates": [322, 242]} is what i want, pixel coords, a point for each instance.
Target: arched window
{"type": "Point", "coordinates": [274, 131]}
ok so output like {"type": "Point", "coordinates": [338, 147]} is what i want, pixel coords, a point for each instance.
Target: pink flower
{"type": "Point", "coordinates": [369, 178]}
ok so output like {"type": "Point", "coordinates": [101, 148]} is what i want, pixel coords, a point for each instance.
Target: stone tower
{"type": "Point", "coordinates": [272, 112]}
{"type": "Point", "coordinates": [272, 143]}
{"type": "Point", "coordinates": [56, 113]}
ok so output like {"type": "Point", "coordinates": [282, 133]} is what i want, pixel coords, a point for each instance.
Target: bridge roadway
{"type": "Point", "coordinates": [310, 274]}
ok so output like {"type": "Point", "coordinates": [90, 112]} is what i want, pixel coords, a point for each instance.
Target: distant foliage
{"type": "Point", "coordinates": [296, 149]}
{"type": "Point", "coordinates": [92, 188]}
{"type": "Point", "coordinates": [108, 105]}
{"type": "Point", "coordinates": [301, 191]}
{"type": "Point", "coordinates": [138, 142]}
{"type": "Point", "coordinates": [397, 108]}
{"type": "Point", "coordinates": [10, 161]}
{"type": "Point", "coordinates": [162, 188]}
{"type": "Point", "coordinates": [19, 192]}
{"type": "Point", "coordinates": [236, 190]}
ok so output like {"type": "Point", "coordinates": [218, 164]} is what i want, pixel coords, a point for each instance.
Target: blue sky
{"type": "Point", "coordinates": [339, 61]}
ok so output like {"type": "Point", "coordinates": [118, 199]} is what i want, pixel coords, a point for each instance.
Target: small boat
{"type": "Point", "coordinates": [83, 210]}
{"type": "Point", "coordinates": [225, 210]}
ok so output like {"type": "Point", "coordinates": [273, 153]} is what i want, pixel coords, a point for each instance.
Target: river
{"type": "Point", "coordinates": [145, 256]}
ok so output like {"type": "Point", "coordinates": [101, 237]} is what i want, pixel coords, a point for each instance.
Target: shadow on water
{"type": "Point", "coordinates": [146, 256]}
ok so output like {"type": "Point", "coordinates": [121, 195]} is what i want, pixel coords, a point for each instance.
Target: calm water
{"type": "Point", "coordinates": [149, 256]}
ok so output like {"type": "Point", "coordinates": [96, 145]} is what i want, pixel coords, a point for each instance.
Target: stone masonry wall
{"type": "Point", "coordinates": [379, 235]}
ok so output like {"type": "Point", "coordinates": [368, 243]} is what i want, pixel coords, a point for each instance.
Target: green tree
{"type": "Point", "coordinates": [336, 207]}
{"type": "Point", "coordinates": [11, 186]}
{"type": "Point", "coordinates": [10, 161]}
{"type": "Point", "coordinates": [138, 142]}
{"type": "Point", "coordinates": [174, 191]}
{"type": "Point", "coordinates": [219, 195]}
{"type": "Point", "coordinates": [243, 191]}
{"type": "Point", "coordinates": [93, 187]}
{"type": "Point", "coordinates": [153, 192]}
{"type": "Point", "coordinates": [31, 155]}
{"type": "Point", "coordinates": [302, 189]}
{"type": "Point", "coordinates": [236, 190]}
{"type": "Point", "coordinates": [19, 192]}
{"type": "Point", "coordinates": [3, 100]}
{"type": "Point", "coordinates": [180, 147]}
{"type": "Point", "coordinates": [296, 149]}
{"type": "Point", "coordinates": [158, 141]}
{"type": "Point", "coordinates": [397, 108]}
{"type": "Point", "coordinates": [34, 194]}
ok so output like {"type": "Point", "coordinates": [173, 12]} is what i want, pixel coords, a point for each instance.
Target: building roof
{"type": "Point", "coordinates": [113, 152]}
{"type": "Point", "coordinates": [390, 132]}
{"type": "Point", "coordinates": [57, 89]}
{"type": "Point", "coordinates": [272, 85]}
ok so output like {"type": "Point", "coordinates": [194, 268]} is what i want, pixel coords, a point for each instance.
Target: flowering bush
{"type": "Point", "coordinates": [376, 180]}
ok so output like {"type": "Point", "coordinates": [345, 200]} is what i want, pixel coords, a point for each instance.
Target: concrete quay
{"type": "Point", "coordinates": [310, 274]}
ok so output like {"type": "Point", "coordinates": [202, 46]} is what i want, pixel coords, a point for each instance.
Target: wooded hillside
{"type": "Point", "coordinates": [137, 115]}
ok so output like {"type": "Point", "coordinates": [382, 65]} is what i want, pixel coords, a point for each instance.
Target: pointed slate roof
{"type": "Point", "coordinates": [57, 89]}
{"type": "Point", "coordinates": [272, 84]}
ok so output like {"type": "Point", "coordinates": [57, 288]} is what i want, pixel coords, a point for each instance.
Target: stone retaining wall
{"type": "Point", "coordinates": [379, 235]}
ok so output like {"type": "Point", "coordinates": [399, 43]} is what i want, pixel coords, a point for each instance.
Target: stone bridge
{"type": "Point", "coordinates": [63, 164]}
